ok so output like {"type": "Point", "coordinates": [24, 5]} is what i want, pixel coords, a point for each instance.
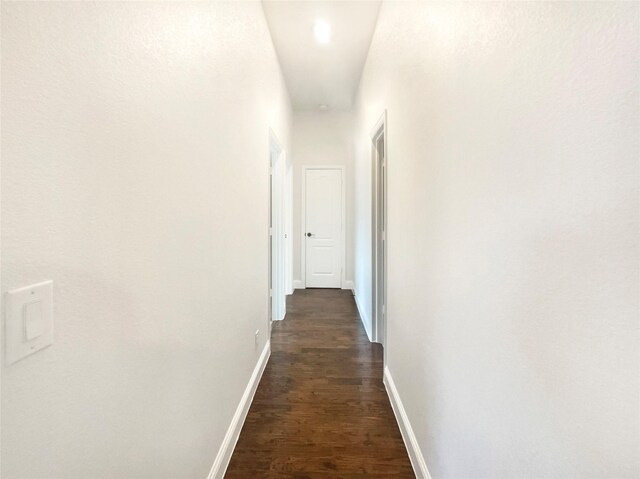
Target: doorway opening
{"type": "Point", "coordinates": [323, 230]}
{"type": "Point", "coordinates": [379, 228]}
{"type": "Point", "coordinates": [278, 229]}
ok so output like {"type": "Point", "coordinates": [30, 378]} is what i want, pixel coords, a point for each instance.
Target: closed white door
{"type": "Point", "coordinates": [323, 228]}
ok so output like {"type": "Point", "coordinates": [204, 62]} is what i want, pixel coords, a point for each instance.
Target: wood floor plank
{"type": "Point", "coordinates": [321, 409]}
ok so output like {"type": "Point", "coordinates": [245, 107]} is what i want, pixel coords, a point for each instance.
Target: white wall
{"type": "Point", "coordinates": [135, 152]}
{"type": "Point", "coordinates": [322, 138]}
{"type": "Point", "coordinates": [513, 232]}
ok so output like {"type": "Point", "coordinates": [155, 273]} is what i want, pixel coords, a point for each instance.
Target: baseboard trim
{"type": "Point", "coordinates": [347, 285]}
{"type": "Point", "coordinates": [298, 284]}
{"type": "Point", "coordinates": [365, 321]}
{"type": "Point", "coordinates": [231, 438]}
{"type": "Point", "coordinates": [413, 449]}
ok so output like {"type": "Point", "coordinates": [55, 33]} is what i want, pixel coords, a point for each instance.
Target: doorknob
{"type": "Point", "coordinates": [308, 235]}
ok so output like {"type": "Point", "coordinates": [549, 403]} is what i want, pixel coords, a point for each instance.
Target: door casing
{"type": "Point", "coordinates": [379, 233]}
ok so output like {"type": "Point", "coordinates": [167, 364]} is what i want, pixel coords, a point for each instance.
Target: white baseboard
{"type": "Point", "coordinates": [299, 284]}
{"type": "Point", "coordinates": [409, 438]}
{"type": "Point", "coordinates": [365, 320]}
{"type": "Point", "coordinates": [231, 438]}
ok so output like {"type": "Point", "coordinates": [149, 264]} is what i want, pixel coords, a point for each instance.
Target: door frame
{"type": "Point", "coordinates": [379, 271]}
{"type": "Point", "coordinates": [288, 225]}
{"type": "Point", "coordinates": [276, 230]}
{"type": "Point", "coordinates": [303, 224]}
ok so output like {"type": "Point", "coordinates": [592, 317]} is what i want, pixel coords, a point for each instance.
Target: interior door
{"type": "Point", "coordinates": [323, 228]}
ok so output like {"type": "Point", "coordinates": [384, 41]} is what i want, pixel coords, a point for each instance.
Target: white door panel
{"type": "Point", "coordinates": [323, 228]}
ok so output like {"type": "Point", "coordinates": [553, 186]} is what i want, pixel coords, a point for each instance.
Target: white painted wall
{"type": "Point", "coordinates": [513, 302]}
{"type": "Point", "coordinates": [135, 152]}
{"type": "Point", "coordinates": [322, 138]}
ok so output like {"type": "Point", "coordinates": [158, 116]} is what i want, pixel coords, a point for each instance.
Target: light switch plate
{"type": "Point", "coordinates": [29, 320]}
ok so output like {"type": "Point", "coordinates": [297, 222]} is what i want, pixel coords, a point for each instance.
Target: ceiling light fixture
{"type": "Point", "coordinates": [323, 106]}
{"type": "Point", "coordinates": [322, 32]}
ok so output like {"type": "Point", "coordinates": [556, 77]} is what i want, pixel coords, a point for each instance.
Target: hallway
{"type": "Point", "coordinates": [181, 184]}
{"type": "Point", "coordinates": [321, 409]}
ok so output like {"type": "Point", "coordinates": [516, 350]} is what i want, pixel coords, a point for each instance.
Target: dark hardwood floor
{"type": "Point", "coordinates": [321, 410]}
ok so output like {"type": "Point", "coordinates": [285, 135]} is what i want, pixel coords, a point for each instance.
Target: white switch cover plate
{"type": "Point", "coordinates": [29, 320]}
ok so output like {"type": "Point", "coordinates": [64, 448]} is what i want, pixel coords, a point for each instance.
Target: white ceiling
{"type": "Point", "coordinates": [321, 74]}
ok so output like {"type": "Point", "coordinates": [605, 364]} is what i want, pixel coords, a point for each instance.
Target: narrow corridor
{"type": "Point", "coordinates": [321, 409]}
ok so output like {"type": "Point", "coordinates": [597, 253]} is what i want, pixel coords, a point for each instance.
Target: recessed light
{"type": "Point", "coordinates": [322, 32]}
{"type": "Point", "coordinates": [323, 106]}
